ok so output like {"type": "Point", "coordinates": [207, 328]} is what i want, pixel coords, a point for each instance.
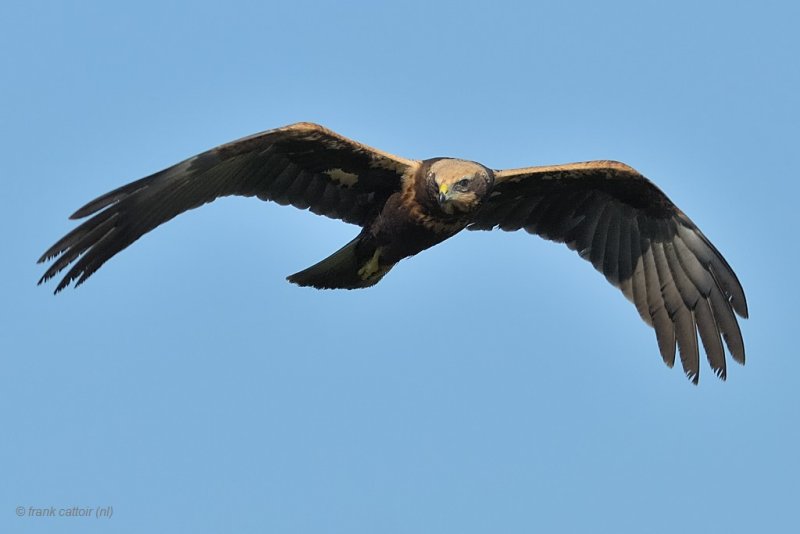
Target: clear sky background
{"type": "Point", "coordinates": [495, 383]}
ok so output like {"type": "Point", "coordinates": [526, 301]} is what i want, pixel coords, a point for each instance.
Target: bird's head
{"type": "Point", "coordinates": [459, 186]}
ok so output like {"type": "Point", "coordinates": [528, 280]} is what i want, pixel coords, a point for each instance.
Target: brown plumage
{"type": "Point", "coordinates": [612, 215]}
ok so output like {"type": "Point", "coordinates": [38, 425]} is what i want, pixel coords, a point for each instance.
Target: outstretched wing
{"type": "Point", "coordinates": [303, 164]}
{"type": "Point", "coordinates": [643, 244]}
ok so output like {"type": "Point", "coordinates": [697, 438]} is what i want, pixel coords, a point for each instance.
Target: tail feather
{"type": "Point", "coordinates": [347, 268]}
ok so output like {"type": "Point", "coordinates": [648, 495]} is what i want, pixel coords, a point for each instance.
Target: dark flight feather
{"type": "Point", "coordinates": [632, 233]}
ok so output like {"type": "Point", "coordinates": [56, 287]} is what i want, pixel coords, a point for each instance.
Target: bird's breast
{"type": "Point", "coordinates": [405, 227]}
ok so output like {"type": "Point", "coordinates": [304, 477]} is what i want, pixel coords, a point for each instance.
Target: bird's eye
{"type": "Point", "coordinates": [462, 184]}
{"type": "Point", "coordinates": [430, 176]}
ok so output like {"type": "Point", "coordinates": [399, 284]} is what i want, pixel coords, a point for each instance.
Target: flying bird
{"type": "Point", "coordinates": [605, 210]}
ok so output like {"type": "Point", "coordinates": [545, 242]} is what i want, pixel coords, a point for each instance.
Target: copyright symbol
{"type": "Point", "coordinates": [20, 511]}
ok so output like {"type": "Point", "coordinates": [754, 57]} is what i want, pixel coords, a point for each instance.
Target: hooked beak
{"type": "Point", "coordinates": [443, 196]}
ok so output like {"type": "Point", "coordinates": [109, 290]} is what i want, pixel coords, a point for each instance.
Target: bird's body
{"type": "Point", "coordinates": [410, 221]}
{"type": "Point", "coordinates": [613, 216]}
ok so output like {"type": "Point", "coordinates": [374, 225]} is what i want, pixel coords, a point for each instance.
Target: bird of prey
{"type": "Point", "coordinates": [605, 210]}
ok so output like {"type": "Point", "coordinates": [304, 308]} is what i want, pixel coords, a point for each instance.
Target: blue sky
{"type": "Point", "coordinates": [495, 383]}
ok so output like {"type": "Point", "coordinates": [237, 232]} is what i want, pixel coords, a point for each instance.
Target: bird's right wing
{"type": "Point", "coordinates": [304, 165]}
{"type": "Point", "coordinates": [643, 244]}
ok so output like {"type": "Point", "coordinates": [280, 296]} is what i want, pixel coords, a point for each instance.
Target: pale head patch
{"type": "Point", "coordinates": [449, 171]}
{"type": "Point", "coordinates": [459, 184]}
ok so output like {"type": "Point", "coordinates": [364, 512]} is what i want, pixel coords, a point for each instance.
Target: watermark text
{"type": "Point", "coordinates": [99, 512]}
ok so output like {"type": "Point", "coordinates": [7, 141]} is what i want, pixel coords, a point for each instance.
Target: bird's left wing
{"type": "Point", "coordinates": [304, 165]}
{"type": "Point", "coordinates": [643, 244]}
